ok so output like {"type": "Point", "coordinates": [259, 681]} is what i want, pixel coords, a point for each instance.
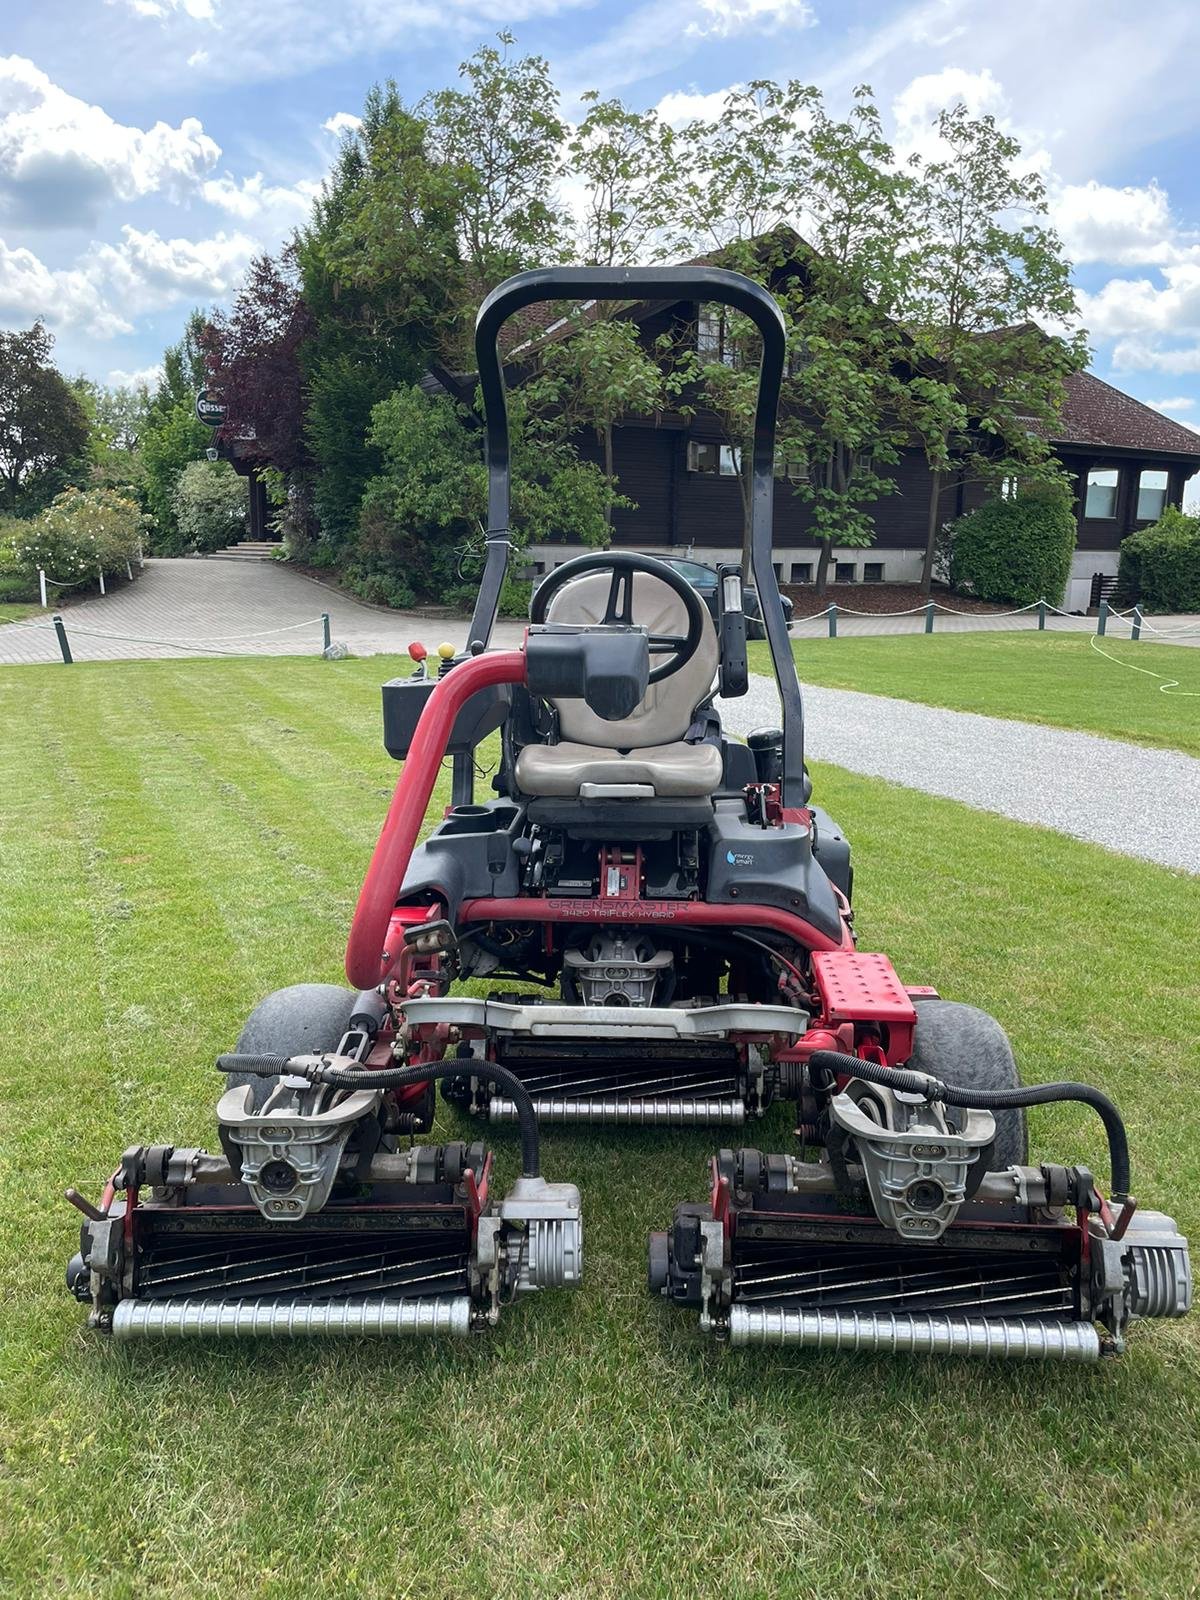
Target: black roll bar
{"type": "Point", "coordinates": [644, 283]}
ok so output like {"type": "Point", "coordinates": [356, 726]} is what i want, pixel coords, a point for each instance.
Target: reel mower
{"type": "Point", "coordinates": [648, 923]}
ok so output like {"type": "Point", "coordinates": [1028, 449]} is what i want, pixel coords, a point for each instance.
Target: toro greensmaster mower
{"type": "Point", "coordinates": [654, 920]}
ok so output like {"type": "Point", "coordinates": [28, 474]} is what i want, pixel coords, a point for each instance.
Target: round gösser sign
{"type": "Point", "coordinates": [210, 408]}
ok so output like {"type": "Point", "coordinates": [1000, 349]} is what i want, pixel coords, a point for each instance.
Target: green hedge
{"type": "Point", "coordinates": [1160, 566]}
{"type": "Point", "coordinates": [1015, 551]}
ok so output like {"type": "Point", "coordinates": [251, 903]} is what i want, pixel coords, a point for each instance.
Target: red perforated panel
{"type": "Point", "coordinates": [859, 986]}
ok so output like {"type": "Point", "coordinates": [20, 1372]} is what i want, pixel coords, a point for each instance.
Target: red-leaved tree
{"type": "Point", "coordinates": [253, 358]}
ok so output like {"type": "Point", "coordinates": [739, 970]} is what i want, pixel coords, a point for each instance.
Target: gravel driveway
{"type": "Point", "coordinates": [1132, 799]}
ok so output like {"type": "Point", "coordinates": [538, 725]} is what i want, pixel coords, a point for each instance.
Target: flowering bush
{"type": "Point", "coordinates": [81, 534]}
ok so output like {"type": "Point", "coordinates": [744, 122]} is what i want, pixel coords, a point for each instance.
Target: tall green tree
{"type": "Point", "coordinates": [117, 423]}
{"type": "Point", "coordinates": [172, 436]}
{"type": "Point", "coordinates": [374, 265]}
{"type": "Point", "coordinates": [772, 162]}
{"type": "Point", "coordinates": [987, 279]}
{"type": "Point", "coordinates": [499, 134]}
{"type": "Point", "coordinates": [593, 380]}
{"type": "Point", "coordinates": [43, 424]}
{"type": "Point", "coordinates": [623, 162]}
{"type": "Point", "coordinates": [846, 391]}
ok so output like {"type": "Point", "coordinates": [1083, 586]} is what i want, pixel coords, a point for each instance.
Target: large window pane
{"type": "Point", "coordinates": [1152, 496]}
{"type": "Point", "coordinates": [1101, 502]}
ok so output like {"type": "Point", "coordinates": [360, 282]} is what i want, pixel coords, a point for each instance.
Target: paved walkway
{"type": "Point", "coordinates": [1137, 801]}
{"type": "Point", "coordinates": [212, 608]}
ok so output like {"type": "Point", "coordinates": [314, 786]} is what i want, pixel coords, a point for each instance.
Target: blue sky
{"type": "Point", "coordinates": [148, 148]}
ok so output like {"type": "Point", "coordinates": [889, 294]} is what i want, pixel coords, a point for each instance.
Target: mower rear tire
{"type": "Point", "coordinates": [305, 1019]}
{"type": "Point", "coordinates": [965, 1046]}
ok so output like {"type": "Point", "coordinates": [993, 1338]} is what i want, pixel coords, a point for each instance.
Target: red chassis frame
{"type": "Point", "coordinates": [864, 1008]}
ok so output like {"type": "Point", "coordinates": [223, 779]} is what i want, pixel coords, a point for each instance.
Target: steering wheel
{"type": "Point", "coordinates": [678, 648]}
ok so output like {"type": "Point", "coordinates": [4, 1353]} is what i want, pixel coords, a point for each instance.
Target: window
{"type": "Point", "coordinates": [719, 459]}
{"type": "Point", "coordinates": [713, 341]}
{"type": "Point", "coordinates": [1100, 503]}
{"type": "Point", "coordinates": [847, 572]}
{"type": "Point", "coordinates": [1152, 496]}
{"type": "Point", "coordinates": [793, 468]}
{"type": "Point", "coordinates": [1008, 488]}
{"type": "Point", "coordinates": [872, 571]}
{"type": "Point", "coordinates": [801, 571]}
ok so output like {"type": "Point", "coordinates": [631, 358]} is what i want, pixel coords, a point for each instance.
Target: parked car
{"type": "Point", "coordinates": [704, 579]}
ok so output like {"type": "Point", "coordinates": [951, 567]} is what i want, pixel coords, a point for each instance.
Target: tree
{"type": "Point", "coordinates": [846, 391]}
{"type": "Point", "coordinates": [118, 420]}
{"type": "Point", "coordinates": [252, 355]}
{"type": "Point", "coordinates": [623, 160]}
{"type": "Point", "coordinates": [500, 137]}
{"type": "Point", "coordinates": [172, 435]}
{"type": "Point", "coordinates": [421, 515]}
{"type": "Point", "coordinates": [986, 274]}
{"type": "Point", "coordinates": [43, 425]}
{"type": "Point", "coordinates": [210, 506]}
{"type": "Point", "coordinates": [592, 380]}
{"type": "Point", "coordinates": [771, 161]}
{"type": "Point", "coordinates": [367, 333]}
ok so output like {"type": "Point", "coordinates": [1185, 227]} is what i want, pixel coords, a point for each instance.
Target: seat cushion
{"type": "Point", "coordinates": [667, 708]}
{"type": "Point", "coordinates": [669, 769]}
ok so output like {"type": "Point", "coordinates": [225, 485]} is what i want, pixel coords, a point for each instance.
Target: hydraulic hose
{"type": "Point", "coordinates": [1038, 1094]}
{"type": "Point", "coordinates": [266, 1066]}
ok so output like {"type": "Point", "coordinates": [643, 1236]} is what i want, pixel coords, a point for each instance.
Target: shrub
{"type": "Point", "coordinates": [82, 533]}
{"type": "Point", "coordinates": [1016, 551]}
{"type": "Point", "coordinates": [210, 504]}
{"type": "Point", "coordinates": [1160, 566]}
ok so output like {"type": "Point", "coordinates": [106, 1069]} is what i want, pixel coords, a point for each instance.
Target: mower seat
{"type": "Point", "coordinates": [661, 769]}
{"type": "Point", "coordinates": [646, 751]}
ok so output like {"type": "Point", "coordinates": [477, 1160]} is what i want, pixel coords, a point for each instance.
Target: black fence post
{"type": "Point", "coordinates": [62, 640]}
{"type": "Point", "coordinates": [832, 620]}
{"type": "Point", "coordinates": [325, 629]}
{"type": "Point", "coordinates": [929, 616]}
{"type": "Point", "coordinates": [1102, 622]}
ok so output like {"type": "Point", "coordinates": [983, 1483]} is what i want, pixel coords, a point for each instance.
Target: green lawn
{"type": "Point", "coordinates": [180, 838]}
{"type": "Point", "coordinates": [17, 611]}
{"type": "Point", "coordinates": [1034, 677]}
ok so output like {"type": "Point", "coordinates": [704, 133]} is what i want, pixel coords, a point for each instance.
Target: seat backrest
{"type": "Point", "coordinates": [665, 712]}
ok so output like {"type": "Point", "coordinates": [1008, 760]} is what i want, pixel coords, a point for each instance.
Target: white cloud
{"type": "Point", "coordinates": [146, 272]}
{"type": "Point", "coordinates": [276, 208]}
{"type": "Point", "coordinates": [60, 157]}
{"type": "Point", "coordinates": [1121, 227]}
{"type": "Point", "coordinates": [1138, 306]}
{"type": "Point", "coordinates": [1140, 355]}
{"type": "Point", "coordinates": [198, 10]}
{"type": "Point", "coordinates": [687, 105]}
{"type": "Point", "coordinates": [29, 289]}
{"type": "Point", "coordinates": [1183, 402]}
{"type": "Point", "coordinates": [721, 19]}
{"type": "Point", "coordinates": [341, 122]}
{"type": "Point", "coordinates": [140, 378]}
{"type": "Point", "coordinates": [111, 285]}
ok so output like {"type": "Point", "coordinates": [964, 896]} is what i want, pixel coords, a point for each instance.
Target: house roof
{"type": "Point", "coordinates": [1094, 413]}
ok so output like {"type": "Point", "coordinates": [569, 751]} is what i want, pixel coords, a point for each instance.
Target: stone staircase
{"type": "Point", "coordinates": [248, 550]}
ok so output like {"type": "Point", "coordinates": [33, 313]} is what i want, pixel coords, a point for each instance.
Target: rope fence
{"type": "Point", "coordinates": [193, 646]}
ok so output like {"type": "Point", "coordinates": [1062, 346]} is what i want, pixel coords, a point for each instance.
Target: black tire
{"type": "Point", "coordinates": [962, 1045]}
{"type": "Point", "coordinates": [301, 1020]}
